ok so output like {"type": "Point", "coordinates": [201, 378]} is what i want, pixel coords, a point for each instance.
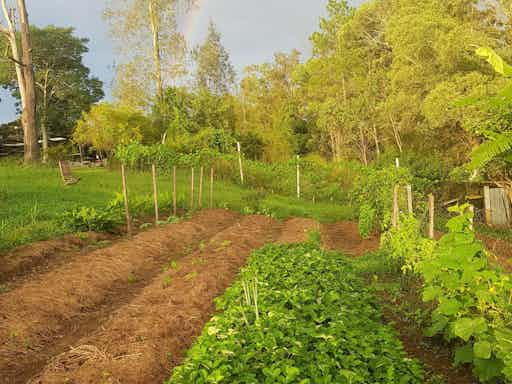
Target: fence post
{"type": "Point", "coordinates": [155, 194]}
{"type": "Point", "coordinates": [298, 177]}
{"type": "Point", "coordinates": [239, 148]}
{"type": "Point", "coordinates": [397, 162]}
{"type": "Point", "coordinates": [409, 198]}
{"type": "Point", "coordinates": [472, 210]}
{"type": "Point", "coordinates": [201, 175]}
{"type": "Point", "coordinates": [211, 187]}
{"type": "Point", "coordinates": [487, 204]}
{"type": "Point", "coordinates": [431, 212]}
{"type": "Point", "coordinates": [192, 190]}
{"type": "Point", "coordinates": [126, 204]}
{"type": "Point", "coordinates": [395, 206]}
{"type": "Point", "coordinates": [174, 193]}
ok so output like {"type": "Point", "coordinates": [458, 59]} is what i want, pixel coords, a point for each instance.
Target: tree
{"type": "Point", "coordinates": [153, 51]}
{"type": "Point", "coordinates": [214, 70]}
{"type": "Point", "coordinates": [24, 74]}
{"type": "Point", "coordinates": [64, 86]}
{"type": "Point", "coordinates": [108, 125]}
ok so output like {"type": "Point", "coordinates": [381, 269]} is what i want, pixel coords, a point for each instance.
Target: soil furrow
{"type": "Point", "coordinates": [143, 340]}
{"type": "Point", "coordinates": [44, 316]}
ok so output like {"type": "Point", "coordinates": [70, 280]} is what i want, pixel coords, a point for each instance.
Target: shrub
{"type": "Point", "coordinates": [89, 219]}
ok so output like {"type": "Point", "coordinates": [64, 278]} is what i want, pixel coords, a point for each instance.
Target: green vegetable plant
{"type": "Point", "coordinates": [297, 314]}
{"type": "Point", "coordinates": [473, 300]}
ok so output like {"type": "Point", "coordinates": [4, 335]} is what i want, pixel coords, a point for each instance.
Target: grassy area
{"type": "Point", "coordinates": [33, 198]}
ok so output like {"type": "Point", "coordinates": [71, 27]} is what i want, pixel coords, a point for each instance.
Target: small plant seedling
{"type": "Point", "coordinates": [191, 275]}
{"type": "Point", "coordinates": [167, 281]}
{"type": "Point", "coordinates": [202, 245]}
{"type": "Point", "coordinates": [132, 279]}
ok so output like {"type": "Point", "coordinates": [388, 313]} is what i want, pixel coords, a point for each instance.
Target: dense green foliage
{"type": "Point", "coordinates": [472, 302]}
{"type": "Point", "coordinates": [64, 85]}
{"type": "Point", "coordinates": [297, 314]}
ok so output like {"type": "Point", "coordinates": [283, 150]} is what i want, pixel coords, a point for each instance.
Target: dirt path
{"type": "Point", "coordinates": [344, 236]}
{"type": "Point", "coordinates": [147, 337]}
{"type": "Point", "coordinates": [44, 316]}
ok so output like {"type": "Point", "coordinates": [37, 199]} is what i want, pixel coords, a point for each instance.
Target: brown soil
{"type": "Point", "coordinates": [344, 236]}
{"type": "Point", "coordinates": [296, 230]}
{"type": "Point", "coordinates": [501, 251]}
{"type": "Point", "coordinates": [44, 316]}
{"type": "Point", "coordinates": [41, 255]}
{"type": "Point", "coordinates": [144, 339]}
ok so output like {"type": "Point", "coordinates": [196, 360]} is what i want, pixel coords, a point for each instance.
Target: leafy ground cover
{"type": "Point", "coordinates": [297, 314]}
{"type": "Point", "coordinates": [33, 199]}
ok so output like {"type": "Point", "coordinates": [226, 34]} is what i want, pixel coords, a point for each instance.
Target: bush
{"type": "Point", "coordinates": [89, 219]}
{"type": "Point", "coordinates": [366, 220]}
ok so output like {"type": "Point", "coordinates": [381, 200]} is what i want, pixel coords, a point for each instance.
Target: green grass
{"type": "Point", "coordinates": [33, 198]}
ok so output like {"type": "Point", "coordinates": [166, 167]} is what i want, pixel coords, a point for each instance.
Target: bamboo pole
{"type": "Point", "coordinates": [201, 176]}
{"type": "Point", "coordinates": [126, 203]}
{"type": "Point", "coordinates": [298, 177]}
{"type": "Point", "coordinates": [239, 148]}
{"type": "Point", "coordinates": [155, 194]}
{"type": "Point", "coordinates": [174, 193]}
{"type": "Point", "coordinates": [192, 190]}
{"type": "Point", "coordinates": [409, 198]}
{"type": "Point", "coordinates": [211, 187]}
{"type": "Point", "coordinates": [431, 213]}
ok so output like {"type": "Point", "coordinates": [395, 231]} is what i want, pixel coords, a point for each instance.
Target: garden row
{"type": "Point", "coordinates": [297, 314]}
{"type": "Point", "coordinates": [471, 298]}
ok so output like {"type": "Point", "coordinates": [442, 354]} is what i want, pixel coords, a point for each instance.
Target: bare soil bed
{"type": "Point", "coordinates": [44, 316]}
{"type": "Point", "coordinates": [41, 255]}
{"type": "Point", "coordinates": [144, 339]}
{"type": "Point", "coordinates": [344, 237]}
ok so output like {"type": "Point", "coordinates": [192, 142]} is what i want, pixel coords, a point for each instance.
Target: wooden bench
{"type": "Point", "coordinates": [65, 172]}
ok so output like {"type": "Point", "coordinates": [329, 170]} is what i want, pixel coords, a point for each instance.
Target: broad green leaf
{"type": "Point", "coordinates": [482, 350]}
{"type": "Point", "coordinates": [495, 60]}
{"type": "Point", "coordinates": [464, 354]}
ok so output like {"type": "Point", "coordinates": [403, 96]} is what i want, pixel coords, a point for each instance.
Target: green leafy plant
{"type": "Point", "coordinates": [366, 220]}
{"type": "Point", "coordinates": [297, 314]}
{"type": "Point", "coordinates": [473, 300]}
{"type": "Point", "coordinates": [90, 219]}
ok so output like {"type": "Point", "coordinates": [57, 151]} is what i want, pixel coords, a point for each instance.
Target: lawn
{"type": "Point", "coordinates": [33, 198]}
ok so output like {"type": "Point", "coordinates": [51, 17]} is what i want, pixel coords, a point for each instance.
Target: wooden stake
{"type": "Point", "coordinates": [211, 187]}
{"type": "Point", "coordinates": [298, 177]}
{"type": "Point", "coordinates": [472, 210]}
{"type": "Point", "coordinates": [192, 190]}
{"type": "Point", "coordinates": [201, 175]}
{"type": "Point", "coordinates": [174, 193]}
{"type": "Point", "coordinates": [487, 205]}
{"type": "Point", "coordinates": [409, 199]}
{"type": "Point", "coordinates": [397, 162]}
{"type": "Point", "coordinates": [395, 206]}
{"type": "Point", "coordinates": [126, 204]}
{"type": "Point", "coordinates": [431, 212]}
{"type": "Point", "coordinates": [240, 162]}
{"type": "Point", "coordinates": [155, 194]}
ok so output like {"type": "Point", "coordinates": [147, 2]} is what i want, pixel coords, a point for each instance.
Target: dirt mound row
{"type": "Point", "coordinates": [145, 339]}
{"type": "Point", "coordinates": [25, 259]}
{"type": "Point", "coordinates": [296, 230]}
{"type": "Point", "coordinates": [344, 236]}
{"type": "Point", "coordinates": [38, 317]}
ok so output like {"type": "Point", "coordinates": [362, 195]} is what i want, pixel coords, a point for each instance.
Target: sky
{"type": "Point", "coordinates": [252, 31]}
